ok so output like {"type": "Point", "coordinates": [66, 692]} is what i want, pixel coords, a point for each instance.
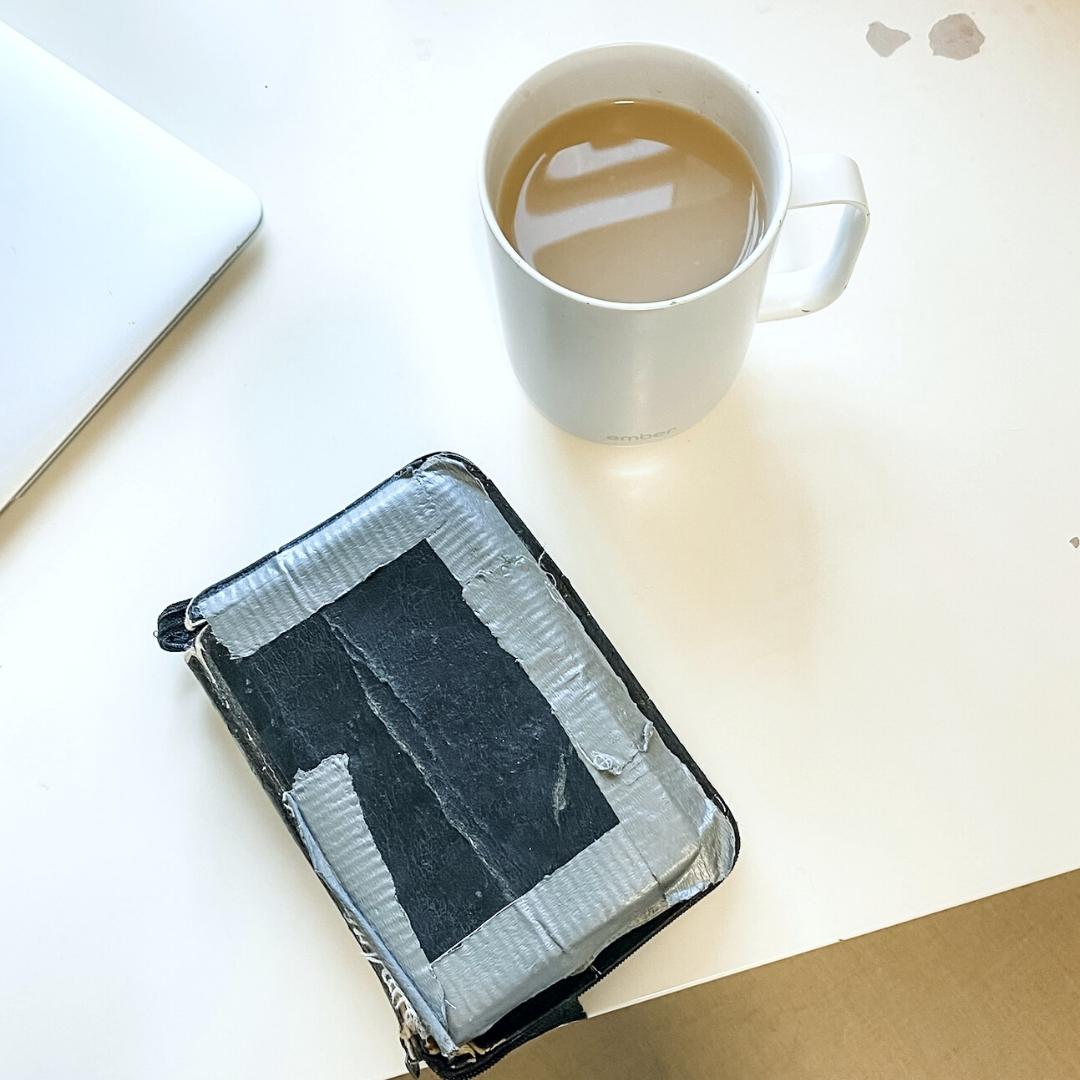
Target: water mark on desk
{"type": "Point", "coordinates": [956, 37]}
{"type": "Point", "coordinates": [885, 40]}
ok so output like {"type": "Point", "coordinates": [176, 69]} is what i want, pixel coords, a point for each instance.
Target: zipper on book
{"type": "Point", "coordinates": [493, 1056]}
{"type": "Point", "coordinates": [172, 631]}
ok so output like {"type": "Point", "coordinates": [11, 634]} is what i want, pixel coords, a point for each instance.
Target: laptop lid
{"type": "Point", "coordinates": [109, 230]}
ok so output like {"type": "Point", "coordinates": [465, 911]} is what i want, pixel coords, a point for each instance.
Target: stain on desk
{"type": "Point", "coordinates": [956, 37]}
{"type": "Point", "coordinates": [885, 40]}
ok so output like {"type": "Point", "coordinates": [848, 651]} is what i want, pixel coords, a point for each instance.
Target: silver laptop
{"type": "Point", "coordinates": [109, 230]}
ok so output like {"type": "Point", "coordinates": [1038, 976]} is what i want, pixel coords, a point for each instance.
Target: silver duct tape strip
{"type": "Point", "coordinates": [671, 843]}
{"type": "Point", "coordinates": [524, 611]}
{"type": "Point", "coordinates": [252, 610]}
{"type": "Point", "coordinates": [679, 832]}
{"type": "Point", "coordinates": [554, 930]}
{"type": "Point", "coordinates": [472, 537]}
{"type": "Point", "coordinates": [330, 820]}
{"type": "Point", "coordinates": [303, 577]}
{"type": "Point", "coordinates": [551, 932]}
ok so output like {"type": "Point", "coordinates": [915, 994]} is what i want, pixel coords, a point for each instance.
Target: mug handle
{"type": "Point", "coordinates": [820, 180]}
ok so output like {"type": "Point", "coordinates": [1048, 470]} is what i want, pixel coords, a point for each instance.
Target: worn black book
{"type": "Point", "coordinates": [494, 804]}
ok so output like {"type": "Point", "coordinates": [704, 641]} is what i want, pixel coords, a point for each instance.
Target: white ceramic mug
{"type": "Point", "coordinates": [629, 373]}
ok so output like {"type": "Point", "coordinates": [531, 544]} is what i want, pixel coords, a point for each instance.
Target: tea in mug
{"type": "Point", "coordinates": [632, 200]}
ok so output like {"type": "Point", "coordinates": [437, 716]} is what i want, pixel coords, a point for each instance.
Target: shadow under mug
{"type": "Point", "coordinates": [627, 373]}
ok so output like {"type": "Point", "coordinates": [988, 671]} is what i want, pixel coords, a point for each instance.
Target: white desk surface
{"type": "Point", "coordinates": [851, 589]}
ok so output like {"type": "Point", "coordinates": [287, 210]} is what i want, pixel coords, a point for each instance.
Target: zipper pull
{"type": "Point", "coordinates": [172, 633]}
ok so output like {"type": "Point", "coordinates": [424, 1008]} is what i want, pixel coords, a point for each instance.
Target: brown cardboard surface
{"type": "Point", "coordinates": [987, 990]}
